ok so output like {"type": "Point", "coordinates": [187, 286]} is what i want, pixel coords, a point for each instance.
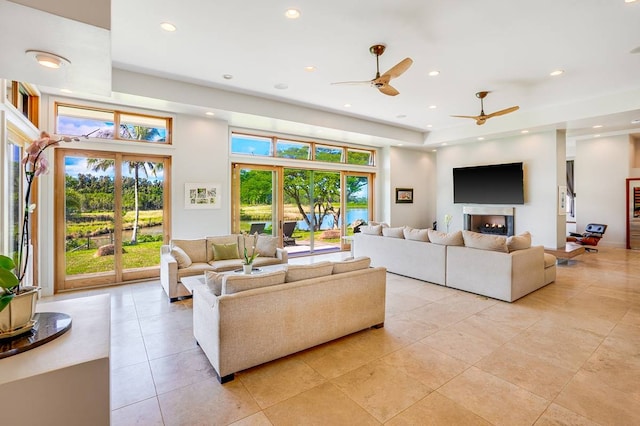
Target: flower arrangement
{"type": "Point", "coordinates": [447, 220]}
{"type": "Point", "coordinates": [248, 260]}
{"type": "Point", "coordinates": [34, 165]}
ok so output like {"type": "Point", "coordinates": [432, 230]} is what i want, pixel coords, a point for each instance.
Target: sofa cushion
{"type": "Point", "coordinates": [351, 264]}
{"type": "Point", "coordinates": [519, 242]}
{"type": "Point", "coordinates": [214, 281]}
{"type": "Point", "coordinates": [235, 283]}
{"type": "Point", "coordinates": [266, 245]}
{"type": "Point", "coordinates": [484, 241]}
{"type": "Point", "coordinates": [383, 224]}
{"type": "Point", "coordinates": [305, 272]}
{"type": "Point", "coordinates": [194, 269]}
{"type": "Point", "coordinates": [549, 260]}
{"type": "Point", "coordinates": [195, 249]}
{"type": "Point", "coordinates": [225, 251]}
{"type": "Point", "coordinates": [444, 239]}
{"type": "Point", "coordinates": [393, 232]}
{"type": "Point", "coordinates": [371, 229]}
{"type": "Point", "coordinates": [225, 265]}
{"type": "Point", "coordinates": [416, 234]}
{"type": "Point", "coordinates": [183, 259]}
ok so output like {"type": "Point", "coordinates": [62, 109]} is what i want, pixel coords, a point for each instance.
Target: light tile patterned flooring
{"type": "Point", "coordinates": [566, 354]}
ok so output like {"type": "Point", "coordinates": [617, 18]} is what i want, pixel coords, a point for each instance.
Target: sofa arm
{"type": "Point", "coordinates": [282, 254]}
{"type": "Point", "coordinates": [168, 272]}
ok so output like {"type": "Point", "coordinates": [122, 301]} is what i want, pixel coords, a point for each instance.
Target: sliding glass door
{"type": "Point", "coordinates": [112, 218]}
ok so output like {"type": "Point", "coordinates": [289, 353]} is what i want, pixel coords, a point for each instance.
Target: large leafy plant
{"type": "Point", "coordinates": [8, 281]}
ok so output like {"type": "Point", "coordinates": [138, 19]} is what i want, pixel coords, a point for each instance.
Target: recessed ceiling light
{"type": "Point", "coordinates": [524, 131]}
{"type": "Point", "coordinates": [168, 26]}
{"type": "Point", "coordinates": [49, 60]}
{"type": "Point", "coordinates": [401, 116]}
{"type": "Point", "coordinates": [596, 136]}
{"type": "Point", "coordinates": [481, 138]}
{"type": "Point", "coordinates": [432, 107]}
{"type": "Point", "coordinates": [629, 1]}
{"type": "Point", "coordinates": [400, 144]}
{"type": "Point", "coordinates": [347, 105]}
{"type": "Point", "coordinates": [444, 144]}
{"type": "Point", "coordinates": [227, 76]}
{"type": "Point", "coordinates": [281, 86]}
{"type": "Point", "coordinates": [292, 13]}
{"type": "Point", "coordinates": [434, 73]}
{"type": "Point", "coordinates": [66, 91]}
{"type": "Point", "coordinates": [429, 126]}
{"type": "Point", "coordinates": [210, 113]}
{"type": "Point", "coordinates": [555, 73]}
{"type": "Point", "coordinates": [597, 126]}
{"type": "Point", "coordinates": [434, 150]}
{"type": "Point", "coordinates": [636, 121]}
{"type": "Point", "coordinates": [310, 68]}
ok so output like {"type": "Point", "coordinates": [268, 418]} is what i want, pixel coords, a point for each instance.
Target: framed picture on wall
{"type": "Point", "coordinates": [202, 195]}
{"type": "Point", "coordinates": [562, 200]}
{"type": "Point", "coordinates": [404, 195]}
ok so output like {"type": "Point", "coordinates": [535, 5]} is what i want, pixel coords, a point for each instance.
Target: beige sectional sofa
{"type": "Point", "coordinates": [494, 266]}
{"type": "Point", "coordinates": [242, 321]}
{"type": "Point", "coordinates": [183, 258]}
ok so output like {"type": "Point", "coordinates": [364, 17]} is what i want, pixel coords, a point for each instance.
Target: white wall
{"type": "Point", "coordinates": [539, 154]}
{"type": "Point", "coordinates": [417, 170]}
{"type": "Point", "coordinates": [601, 168]}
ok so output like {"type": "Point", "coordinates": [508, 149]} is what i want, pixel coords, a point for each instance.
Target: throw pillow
{"type": "Point", "coordinates": [225, 251]}
{"type": "Point", "coordinates": [183, 259]}
{"type": "Point", "coordinates": [266, 245]}
{"type": "Point", "coordinates": [371, 229]}
{"type": "Point", "coordinates": [519, 242]}
{"type": "Point", "coordinates": [444, 239]}
{"type": "Point", "coordinates": [305, 272]}
{"type": "Point", "coordinates": [235, 283]}
{"type": "Point", "coordinates": [214, 281]}
{"type": "Point", "coordinates": [393, 232]}
{"type": "Point", "coordinates": [349, 265]}
{"type": "Point", "coordinates": [416, 234]}
{"type": "Point", "coordinates": [383, 224]}
{"type": "Point", "coordinates": [484, 242]}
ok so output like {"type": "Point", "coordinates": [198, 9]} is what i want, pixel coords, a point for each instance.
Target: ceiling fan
{"type": "Point", "coordinates": [482, 118]}
{"type": "Point", "coordinates": [381, 82]}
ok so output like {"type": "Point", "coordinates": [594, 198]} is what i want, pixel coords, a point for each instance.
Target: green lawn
{"type": "Point", "coordinates": [139, 255]}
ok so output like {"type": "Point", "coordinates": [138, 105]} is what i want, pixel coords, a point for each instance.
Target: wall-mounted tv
{"type": "Point", "coordinates": [492, 184]}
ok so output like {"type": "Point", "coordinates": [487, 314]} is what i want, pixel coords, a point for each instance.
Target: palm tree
{"type": "Point", "coordinates": [135, 167]}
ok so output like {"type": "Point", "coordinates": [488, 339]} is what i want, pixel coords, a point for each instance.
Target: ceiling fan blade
{"type": "Point", "coordinates": [473, 117]}
{"type": "Point", "coordinates": [363, 82]}
{"type": "Point", "coordinates": [503, 111]}
{"type": "Point", "coordinates": [388, 90]}
{"type": "Point", "coordinates": [399, 68]}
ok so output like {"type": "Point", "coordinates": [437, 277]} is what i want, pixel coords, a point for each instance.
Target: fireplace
{"type": "Point", "coordinates": [489, 220]}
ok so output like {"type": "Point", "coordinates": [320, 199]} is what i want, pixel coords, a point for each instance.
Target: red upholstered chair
{"type": "Point", "coordinates": [590, 238]}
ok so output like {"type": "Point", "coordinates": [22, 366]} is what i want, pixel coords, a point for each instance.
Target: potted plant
{"type": "Point", "coordinates": [18, 301]}
{"type": "Point", "coordinates": [247, 263]}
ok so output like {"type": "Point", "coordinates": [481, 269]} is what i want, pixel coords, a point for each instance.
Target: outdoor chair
{"type": "Point", "coordinates": [287, 233]}
{"type": "Point", "coordinates": [257, 227]}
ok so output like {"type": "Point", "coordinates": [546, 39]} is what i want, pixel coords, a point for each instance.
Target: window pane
{"type": "Point", "coordinates": [142, 128]}
{"type": "Point", "coordinates": [329, 154]}
{"type": "Point", "coordinates": [15, 200]}
{"type": "Point", "coordinates": [73, 121]}
{"type": "Point", "coordinates": [295, 150]}
{"type": "Point", "coordinates": [359, 157]}
{"type": "Point", "coordinates": [252, 145]}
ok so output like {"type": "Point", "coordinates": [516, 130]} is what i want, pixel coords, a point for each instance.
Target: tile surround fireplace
{"type": "Point", "coordinates": [489, 220]}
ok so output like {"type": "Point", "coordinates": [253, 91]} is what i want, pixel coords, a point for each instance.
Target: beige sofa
{"type": "Point", "coordinates": [262, 317]}
{"type": "Point", "coordinates": [489, 265]}
{"type": "Point", "coordinates": [183, 258]}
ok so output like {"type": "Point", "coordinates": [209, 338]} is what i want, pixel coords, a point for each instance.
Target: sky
{"type": "Point", "coordinates": [73, 166]}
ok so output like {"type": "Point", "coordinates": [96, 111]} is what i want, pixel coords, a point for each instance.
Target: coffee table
{"type": "Point", "coordinates": [196, 280]}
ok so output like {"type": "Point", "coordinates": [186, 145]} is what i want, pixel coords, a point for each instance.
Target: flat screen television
{"type": "Point", "coordinates": [492, 184]}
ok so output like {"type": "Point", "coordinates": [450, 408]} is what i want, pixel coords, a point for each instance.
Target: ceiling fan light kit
{"type": "Point", "coordinates": [482, 118]}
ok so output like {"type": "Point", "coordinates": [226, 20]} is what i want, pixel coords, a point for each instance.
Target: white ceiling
{"type": "Point", "coordinates": [503, 46]}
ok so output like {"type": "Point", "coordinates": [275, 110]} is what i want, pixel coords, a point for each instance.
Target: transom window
{"type": "Point", "coordinates": [299, 150]}
{"type": "Point", "coordinates": [102, 123]}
